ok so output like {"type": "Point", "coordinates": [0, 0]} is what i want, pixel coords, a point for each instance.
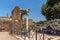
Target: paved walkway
{"type": "Point", "coordinates": [6, 36]}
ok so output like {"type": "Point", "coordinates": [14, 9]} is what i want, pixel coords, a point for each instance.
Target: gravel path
{"type": "Point", "coordinates": [6, 36]}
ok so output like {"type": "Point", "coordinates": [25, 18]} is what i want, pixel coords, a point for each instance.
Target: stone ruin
{"type": "Point", "coordinates": [16, 22]}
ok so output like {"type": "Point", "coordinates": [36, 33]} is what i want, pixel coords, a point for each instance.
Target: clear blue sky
{"type": "Point", "coordinates": [6, 6]}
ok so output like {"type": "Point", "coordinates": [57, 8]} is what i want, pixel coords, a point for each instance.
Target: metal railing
{"type": "Point", "coordinates": [31, 35]}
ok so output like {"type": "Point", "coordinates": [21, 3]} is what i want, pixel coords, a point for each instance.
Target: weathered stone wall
{"type": "Point", "coordinates": [4, 26]}
{"type": "Point", "coordinates": [16, 21]}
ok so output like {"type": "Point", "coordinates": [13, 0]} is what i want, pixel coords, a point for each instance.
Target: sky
{"type": "Point", "coordinates": [6, 6]}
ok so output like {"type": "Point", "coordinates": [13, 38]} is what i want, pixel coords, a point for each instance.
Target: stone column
{"type": "Point", "coordinates": [27, 22]}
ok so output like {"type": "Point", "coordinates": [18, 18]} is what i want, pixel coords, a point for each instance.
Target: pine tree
{"type": "Point", "coordinates": [51, 10]}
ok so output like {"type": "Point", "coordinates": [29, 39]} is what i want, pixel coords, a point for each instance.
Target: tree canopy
{"type": "Point", "coordinates": [51, 10]}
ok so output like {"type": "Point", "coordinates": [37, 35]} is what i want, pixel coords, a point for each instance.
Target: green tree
{"type": "Point", "coordinates": [51, 9]}
{"type": "Point", "coordinates": [40, 22]}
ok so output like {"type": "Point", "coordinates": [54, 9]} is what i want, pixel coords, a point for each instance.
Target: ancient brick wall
{"type": "Point", "coordinates": [4, 26]}
{"type": "Point", "coordinates": [16, 22]}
